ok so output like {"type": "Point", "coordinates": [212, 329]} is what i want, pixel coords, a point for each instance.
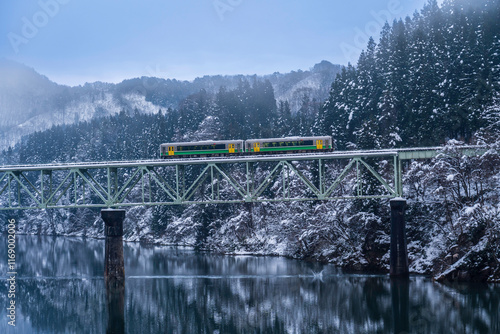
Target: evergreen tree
{"type": "Point", "coordinates": [284, 122]}
{"type": "Point", "coordinates": [230, 115]}
{"type": "Point", "coordinates": [394, 106]}
{"type": "Point", "coordinates": [339, 110]}
{"type": "Point", "coordinates": [305, 117]}
{"type": "Point", "coordinates": [192, 112]}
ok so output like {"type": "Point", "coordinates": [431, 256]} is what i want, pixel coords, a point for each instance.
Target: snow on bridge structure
{"type": "Point", "coordinates": [210, 180]}
{"type": "Point", "coordinates": [343, 175]}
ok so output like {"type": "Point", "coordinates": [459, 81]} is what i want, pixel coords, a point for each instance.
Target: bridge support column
{"type": "Point", "coordinates": [114, 269]}
{"type": "Point", "coordinates": [399, 253]}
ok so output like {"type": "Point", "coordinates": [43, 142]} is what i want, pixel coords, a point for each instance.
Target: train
{"type": "Point", "coordinates": [217, 148]}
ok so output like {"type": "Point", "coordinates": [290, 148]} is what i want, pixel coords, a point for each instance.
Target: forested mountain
{"type": "Point", "coordinates": [30, 101]}
{"type": "Point", "coordinates": [430, 79]}
{"type": "Point", "coordinates": [248, 111]}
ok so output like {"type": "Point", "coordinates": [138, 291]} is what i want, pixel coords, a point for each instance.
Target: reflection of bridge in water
{"type": "Point", "coordinates": [67, 285]}
{"type": "Point", "coordinates": [240, 179]}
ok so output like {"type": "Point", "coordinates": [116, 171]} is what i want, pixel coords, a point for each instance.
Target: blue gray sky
{"type": "Point", "coordinates": [73, 42]}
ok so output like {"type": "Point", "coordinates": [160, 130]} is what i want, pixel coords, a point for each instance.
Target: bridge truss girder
{"type": "Point", "coordinates": [202, 181]}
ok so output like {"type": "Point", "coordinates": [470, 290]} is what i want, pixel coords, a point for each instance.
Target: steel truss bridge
{"type": "Point", "coordinates": [239, 179]}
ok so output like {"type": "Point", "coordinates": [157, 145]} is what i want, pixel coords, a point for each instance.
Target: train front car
{"type": "Point", "coordinates": [201, 149]}
{"type": "Point", "coordinates": [289, 145]}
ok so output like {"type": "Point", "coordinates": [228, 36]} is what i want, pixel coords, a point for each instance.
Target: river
{"type": "Point", "coordinates": [60, 289]}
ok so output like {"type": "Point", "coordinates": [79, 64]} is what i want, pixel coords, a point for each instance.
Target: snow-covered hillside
{"type": "Point", "coordinates": [31, 102]}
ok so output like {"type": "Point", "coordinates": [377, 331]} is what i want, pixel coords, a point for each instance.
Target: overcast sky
{"type": "Point", "coordinates": [73, 42]}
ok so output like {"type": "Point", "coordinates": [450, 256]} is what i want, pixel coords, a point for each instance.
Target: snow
{"type": "Point", "coordinates": [469, 210]}
{"type": "Point", "coordinates": [476, 248]}
{"type": "Point", "coordinates": [138, 101]}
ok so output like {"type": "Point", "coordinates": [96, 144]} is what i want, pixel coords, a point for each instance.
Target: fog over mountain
{"type": "Point", "coordinates": [30, 102]}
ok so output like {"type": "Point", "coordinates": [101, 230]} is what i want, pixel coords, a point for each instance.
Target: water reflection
{"type": "Point", "coordinates": [172, 290]}
{"type": "Point", "coordinates": [400, 293]}
{"type": "Point", "coordinates": [115, 297]}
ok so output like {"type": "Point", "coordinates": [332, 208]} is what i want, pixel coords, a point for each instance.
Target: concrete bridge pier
{"type": "Point", "coordinates": [399, 252]}
{"type": "Point", "coordinates": [114, 269]}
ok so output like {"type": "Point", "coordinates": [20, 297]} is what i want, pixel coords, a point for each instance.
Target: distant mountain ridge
{"type": "Point", "coordinates": [31, 102]}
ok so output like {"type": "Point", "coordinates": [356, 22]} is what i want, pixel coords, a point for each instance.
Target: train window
{"type": "Point", "coordinates": [202, 147]}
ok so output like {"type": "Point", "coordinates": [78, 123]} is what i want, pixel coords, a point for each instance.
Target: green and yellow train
{"type": "Point", "coordinates": [247, 147]}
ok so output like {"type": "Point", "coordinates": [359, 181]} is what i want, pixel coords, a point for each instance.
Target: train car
{"type": "Point", "coordinates": [289, 144]}
{"type": "Point", "coordinates": [201, 148]}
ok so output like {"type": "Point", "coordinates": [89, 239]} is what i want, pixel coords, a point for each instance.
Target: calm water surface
{"type": "Point", "coordinates": [60, 289]}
